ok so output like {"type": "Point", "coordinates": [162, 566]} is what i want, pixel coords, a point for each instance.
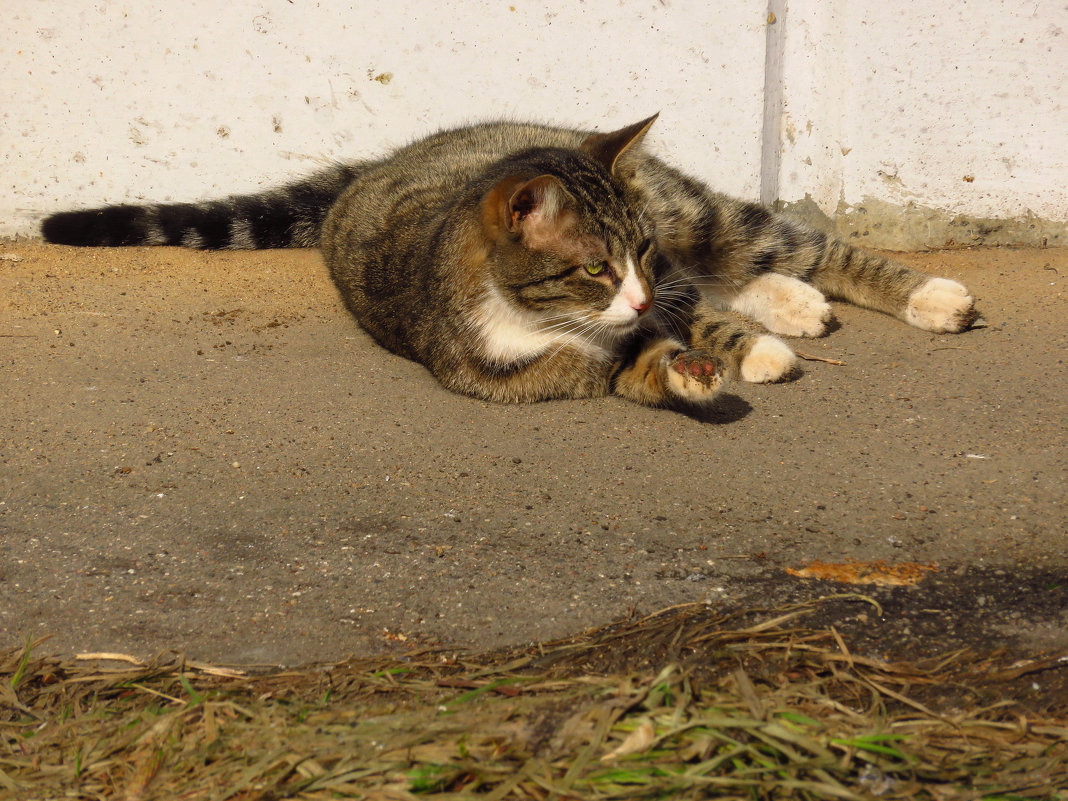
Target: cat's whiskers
{"type": "Point", "coordinates": [591, 332]}
{"type": "Point", "coordinates": [672, 318]}
{"type": "Point", "coordinates": [670, 292]}
{"type": "Point", "coordinates": [699, 279]}
{"type": "Point", "coordinates": [576, 324]}
{"type": "Point", "coordinates": [571, 314]}
{"type": "Point", "coordinates": [575, 336]}
{"type": "Point", "coordinates": [568, 331]}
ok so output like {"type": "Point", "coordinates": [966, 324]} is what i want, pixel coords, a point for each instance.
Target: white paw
{"type": "Point", "coordinates": [941, 305]}
{"type": "Point", "coordinates": [695, 375]}
{"type": "Point", "coordinates": [768, 360]}
{"type": "Point", "coordinates": [785, 305]}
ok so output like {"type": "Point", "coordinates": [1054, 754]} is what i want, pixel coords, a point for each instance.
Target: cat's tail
{"type": "Point", "coordinates": [289, 216]}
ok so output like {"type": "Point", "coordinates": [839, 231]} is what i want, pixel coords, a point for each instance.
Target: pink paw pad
{"type": "Point", "coordinates": [698, 364]}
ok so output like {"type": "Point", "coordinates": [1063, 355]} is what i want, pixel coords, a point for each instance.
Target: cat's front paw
{"type": "Point", "coordinates": [768, 360]}
{"type": "Point", "coordinates": [695, 375]}
{"type": "Point", "coordinates": [942, 306]}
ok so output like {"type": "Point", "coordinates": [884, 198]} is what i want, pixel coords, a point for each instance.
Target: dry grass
{"type": "Point", "coordinates": [681, 704]}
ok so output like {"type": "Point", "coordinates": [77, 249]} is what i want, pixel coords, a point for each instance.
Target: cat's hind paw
{"type": "Point", "coordinates": [768, 360]}
{"type": "Point", "coordinates": [785, 305]}
{"type": "Point", "coordinates": [695, 375]}
{"type": "Point", "coordinates": [942, 306]}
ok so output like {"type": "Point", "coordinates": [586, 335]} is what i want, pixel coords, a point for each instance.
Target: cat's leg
{"type": "Point", "coordinates": [733, 250]}
{"type": "Point", "coordinates": [788, 253]}
{"type": "Point", "coordinates": [757, 358]}
{"type": "Point", "coordinates": [784, 305]}
{"type": "Point", "coordinates": [796, 266]}
{"type": "Point", "coordinates": [664, 372]}
{"type": "Point", "coordinates": [928, 302]}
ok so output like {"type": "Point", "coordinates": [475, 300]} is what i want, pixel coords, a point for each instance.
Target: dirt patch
{"type": "Point", "coordinates": [978, 618]}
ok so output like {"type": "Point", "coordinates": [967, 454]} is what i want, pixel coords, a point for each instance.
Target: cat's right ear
{"type": "Point", "coordinates": [608, 147]}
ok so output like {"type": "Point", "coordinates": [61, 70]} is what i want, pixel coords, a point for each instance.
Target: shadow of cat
{"type": "Point", "coordinates": [726, 408]}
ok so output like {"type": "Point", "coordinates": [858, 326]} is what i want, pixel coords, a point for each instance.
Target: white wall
{"type": "Point", "coordinates": [957, 108]}
{"type": "Point", "coordinates": [855, 109]}
{"type": "Point", "coordinates": [113, 101]}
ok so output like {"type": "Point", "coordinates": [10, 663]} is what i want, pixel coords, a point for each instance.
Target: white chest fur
{"type": "Point", "coordinates": [511, 335]}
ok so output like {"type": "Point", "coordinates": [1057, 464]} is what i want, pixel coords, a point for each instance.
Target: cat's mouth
{"type": "Point", "coordinates": [626, 320]}
{"type": "Point", "coordinates": [614, 328]}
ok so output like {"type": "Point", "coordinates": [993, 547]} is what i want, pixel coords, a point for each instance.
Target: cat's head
{"type": "Point", "coordinates": [567, 245]}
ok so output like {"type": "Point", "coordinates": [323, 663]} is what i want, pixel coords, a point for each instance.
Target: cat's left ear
{"type": "Point", "coordinates": [534, 209]}
{"type": "Point", "coordinates": [608, 147]}
{"type": "Point", "coordinates": [535, 204]}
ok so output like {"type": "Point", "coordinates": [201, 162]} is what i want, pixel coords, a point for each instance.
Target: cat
{"type": "Point", "coordinates": [522, 262]}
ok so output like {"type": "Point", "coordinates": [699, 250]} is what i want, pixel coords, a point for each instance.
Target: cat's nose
{"type": "Point", "coordinates": [641, 306]}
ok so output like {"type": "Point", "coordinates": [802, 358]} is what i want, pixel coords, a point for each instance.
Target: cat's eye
{"type": "Point", "coordinates": [596, 267]}
{"type": "Point", "coordinates": [643, 248]}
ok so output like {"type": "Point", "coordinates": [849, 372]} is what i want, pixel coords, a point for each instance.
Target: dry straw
{"type": "Point", "coordinates": [682, 704]}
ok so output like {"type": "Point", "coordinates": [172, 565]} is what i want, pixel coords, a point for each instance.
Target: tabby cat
{"type": "Point", "coordinates": [524, 262]}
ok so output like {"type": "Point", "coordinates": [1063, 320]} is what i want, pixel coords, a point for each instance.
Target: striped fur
{"type": "Point", "coordinates": [524, 262]}
{"type": "Point", "coordinates": [291, 216]}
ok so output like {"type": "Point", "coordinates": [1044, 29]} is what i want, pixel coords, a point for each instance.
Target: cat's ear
{"type": "Point", "coordinates": [536, 203]}
{"type": "Point", "coordinates": [532, 208]}
{"type": "Point", "coordinates": [608, 147]}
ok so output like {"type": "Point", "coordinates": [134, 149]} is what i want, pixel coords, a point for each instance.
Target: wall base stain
{"type": "Point", "coordinates": [877, 224]}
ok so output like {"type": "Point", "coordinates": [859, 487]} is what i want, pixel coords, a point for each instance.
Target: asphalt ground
{"type": "Point", "coordinates": [203, 452]}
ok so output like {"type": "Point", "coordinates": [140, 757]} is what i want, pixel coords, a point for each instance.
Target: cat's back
{"type": "Point", "coordinates": [467, 151]}
{"type": "Point", "coordinates": [386, 232]}
{"type": "Point", "coordinates": [416, 184]}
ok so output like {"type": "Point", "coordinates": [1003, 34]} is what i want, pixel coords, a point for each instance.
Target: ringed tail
{"type": "Point", "coordinates": [287, 217]}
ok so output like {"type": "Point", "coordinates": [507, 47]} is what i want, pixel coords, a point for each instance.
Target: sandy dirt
{"type": "Point", "coordinates": [202, 451]}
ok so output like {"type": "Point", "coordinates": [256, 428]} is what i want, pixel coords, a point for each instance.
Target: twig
{"type": "Point", "coordinates": [807, 357]}
{"type": "Point", "coordinates": [202, 667]}
{"type": "Point", "coordinates": [111, 657]}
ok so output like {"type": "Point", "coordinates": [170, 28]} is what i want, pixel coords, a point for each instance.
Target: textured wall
{"type": "Point", "coordinates": [112, 101]}
{"type": "Point", "coordinates": [907, 124]}
{"type": "Point", "coordinates": [927, 122]}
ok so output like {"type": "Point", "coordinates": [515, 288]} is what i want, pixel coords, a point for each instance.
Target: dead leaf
{"type": "Point", "coordinates": [902, 574]}
{"type": "Point", "coordinates": [638, 740]}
